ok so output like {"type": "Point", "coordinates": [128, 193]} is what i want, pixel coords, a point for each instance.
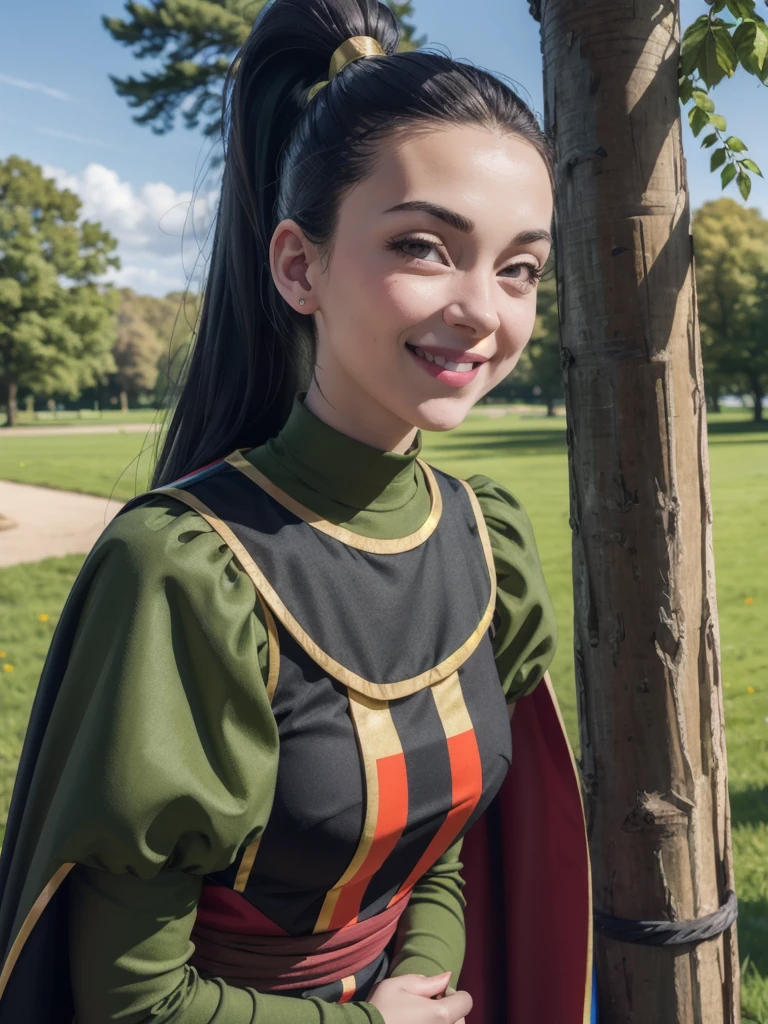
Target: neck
{"type": "Point", "coordinates": [361, 418]}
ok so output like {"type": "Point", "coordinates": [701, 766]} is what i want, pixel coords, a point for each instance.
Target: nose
{"type": "Point", "coordinates": [474, 307]}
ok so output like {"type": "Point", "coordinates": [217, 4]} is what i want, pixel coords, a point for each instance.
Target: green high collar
{"type": "Point", "coordinates": [373, 492]}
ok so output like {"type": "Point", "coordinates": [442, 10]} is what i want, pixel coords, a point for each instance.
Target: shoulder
{"type": "Point", "coordinates": [162, 540]}
{"type": "Point", "coordinates": [507, 520]}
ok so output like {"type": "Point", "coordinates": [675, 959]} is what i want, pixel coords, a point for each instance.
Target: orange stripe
{"type": "Point", "coordinates": [390, 822]}
{"type": "Point", "coordinates": [348, 988]}
{"type": "Point", "coordinates": [466, 776]}
{"type": "Point", "coordinates": [467, 787]}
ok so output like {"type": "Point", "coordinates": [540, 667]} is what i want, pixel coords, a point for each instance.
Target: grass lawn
{"type": "Point", "coordinates": [527, 454]}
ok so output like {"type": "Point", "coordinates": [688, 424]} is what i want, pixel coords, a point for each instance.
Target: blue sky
{"type": "Point", "coordinates": [58, 108]}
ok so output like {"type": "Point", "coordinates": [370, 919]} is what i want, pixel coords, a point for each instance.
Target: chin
{"type": "Point", "coordinates": [441, 414]}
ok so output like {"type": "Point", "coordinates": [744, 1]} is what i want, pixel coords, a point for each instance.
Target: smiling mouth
{"type": "Point", "coordinates": [446, 364]}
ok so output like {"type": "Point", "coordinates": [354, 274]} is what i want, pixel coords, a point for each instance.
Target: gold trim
{"type": "Point", "coordinates": [273, 650]}
{"type": "Point", "coordinates": [377, 737]}
{"type": "Point", "coordinates": [451, 707]}
{"type": "Point", "coordinates": [373, 545]}
{"type": "Point", "coordinates": [29, 923]}
{"type": "Point", "coordinates": [246, 865]}
{"type": "Point", "coordinates": [377, 691]}
{"type": "Point", "coordinates": [590, 939]}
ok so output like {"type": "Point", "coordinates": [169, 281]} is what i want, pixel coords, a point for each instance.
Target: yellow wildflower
{"type": "Point", "coordinates": [22, 464]}
{"type": "Point", "coordinates": [750, 689]}
{"type": "Point", "coordinates": [44, 617]}
{"type": "Point", "coordinates": [7, 667]}
{"type": "Point", "coordinates": [2, 654]}
{"type": "Point", "coordinates": [749, 600]}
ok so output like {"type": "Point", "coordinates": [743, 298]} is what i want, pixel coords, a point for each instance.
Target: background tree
{"type": "Point", "coordinates": [646, 638]}
{"type": "Point", "coordinates": [194, 42]}
{"type": "Point", "coordinates": [57, 325]}
{"type": "Point", "coordinates": [731, 247]}
{"type": "Point", "coordinates": [540, 365]}
{"type": "Point", "coordinates": [137, 349]}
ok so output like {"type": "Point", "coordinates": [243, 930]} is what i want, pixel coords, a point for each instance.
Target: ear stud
{"type": "Point", "coordinates": [301, 302]}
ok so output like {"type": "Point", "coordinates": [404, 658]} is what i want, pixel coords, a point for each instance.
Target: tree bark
{"type": "Point", "coordinates": [646, 630]}
{"type": "Point", "coordinates": [123, 401]}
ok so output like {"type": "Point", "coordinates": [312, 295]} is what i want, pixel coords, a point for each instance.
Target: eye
{"type": "Point", "coordinates": [414, 248]}
{"type": "Point", "coordinates": [529, 279]}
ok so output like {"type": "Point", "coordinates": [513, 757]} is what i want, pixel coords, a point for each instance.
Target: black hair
{"type": "Point", "coordinates": [286, 156]}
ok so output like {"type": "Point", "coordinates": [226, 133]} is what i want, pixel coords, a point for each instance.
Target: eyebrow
{"type": "Point", "coordinates": [464, 224]}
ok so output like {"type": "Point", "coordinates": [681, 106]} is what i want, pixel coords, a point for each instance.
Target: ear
{"type": "Point", "coordinates": [290, 257]}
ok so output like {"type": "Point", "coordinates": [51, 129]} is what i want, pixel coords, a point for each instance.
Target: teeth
{"type": "Point", "coordinates": [456, 367]}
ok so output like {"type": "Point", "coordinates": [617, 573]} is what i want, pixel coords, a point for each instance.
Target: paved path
{"type": "Point", "coordinates": [50, 523]}
{"type": "Point", "coordinates": [129, 428]}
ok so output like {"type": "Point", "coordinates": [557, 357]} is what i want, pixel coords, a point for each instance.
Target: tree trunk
{"type": "Point", "coordinates": [757, 397]}
{"type": "Point", "coordinates": [123, 401]}
{"type": "Point", "coordinates": [13, 403]}
{"type": "Point", "coordinates": [646, 629]}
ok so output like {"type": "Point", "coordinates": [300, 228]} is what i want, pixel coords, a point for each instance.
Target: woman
{"type": "Point", "coordinates": [318, 591]}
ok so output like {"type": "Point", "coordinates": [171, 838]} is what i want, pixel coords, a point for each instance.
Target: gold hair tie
{"type": "Point", "coordinates": [350, 49]}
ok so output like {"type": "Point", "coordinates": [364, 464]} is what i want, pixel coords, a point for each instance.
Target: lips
{"type": "Point", "coordinates": [447, 371]}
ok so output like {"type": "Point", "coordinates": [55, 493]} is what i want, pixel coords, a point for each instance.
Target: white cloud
{"type": "Point", "coordinates": [162, 233]}
{"type": "Point", "coordinates": [22, 83]}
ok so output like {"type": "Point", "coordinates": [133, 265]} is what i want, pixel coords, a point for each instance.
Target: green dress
{"type": "Point", "coordinates": [168, 665]}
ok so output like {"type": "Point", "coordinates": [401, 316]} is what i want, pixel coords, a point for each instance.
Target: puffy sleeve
{"type": "Point", "coordinates": [525, 635]}
{"type": "Point", "coordinates": [168, 754]}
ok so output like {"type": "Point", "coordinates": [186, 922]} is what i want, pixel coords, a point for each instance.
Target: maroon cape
{"type": "Point", "coordinates": [528, 883]}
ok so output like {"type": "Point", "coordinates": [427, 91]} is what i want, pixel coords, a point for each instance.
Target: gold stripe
{"type": "Point", "coordinates": [348, 985]}
{"type": "Point", "coordinates": [355, 540]}
{"type": "Point", "coordinates": [379, 691]}
{"type": "Point", "coordinates": [273, 650]}
{"type": "Point", "coordinates": [30, 921]}
{"type": "Point", "coordinates": [377, 737]}
{"type": "Point", "coordinates": [451, 707]}
{"type": "Point", "coordinates": [590, 940]}
{"type": "Point", "coordinates": [246, 864]}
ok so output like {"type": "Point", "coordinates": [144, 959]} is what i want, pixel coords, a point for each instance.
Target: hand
{"type": "Point", "coordinates": [411, 999]}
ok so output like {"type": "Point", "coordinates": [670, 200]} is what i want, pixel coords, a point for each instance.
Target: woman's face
{"type": "Point", "coordinates": [433, 262]}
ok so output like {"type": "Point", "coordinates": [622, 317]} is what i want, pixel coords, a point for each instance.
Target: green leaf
{"type": "Point", "coordinates": [717, 121]}
{"type": "Point", "coordinates": [718, 5]}
{"type": "Point", "coordinates": [703, 100]}
{"type": "Point", "coordinates": [717, 159]}
{"type": "Point", "coordinates": [697, 119]}
{"type": "Point", "coordinates": [727, 174]}
{"type": "Point", "coordinates": [741, 8]}
{"type": "Point", "coordinates": [685, 89]}
{"type": "Point", "coordinates": [734, 143]}
{"type": "Point", "coordinates": [693, 39]}
{"type": "Point", "coordinates": [725, 51]}
{"type": "Point", "coordinates": [750, 165]}
{"type": "Point", "coordinates": [751, 42]}
{"type": "Point", "coordinates": [745, 185]}
{"type": "Point", "coordinates": [707, 62]}
{"type": "Point", "coordinates": [761, 43]}
{"type": "Point", "coordinates": [709, 141]}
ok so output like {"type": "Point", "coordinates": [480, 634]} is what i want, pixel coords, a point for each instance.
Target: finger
{"type": "Point", "coordinates": [429, 987]}
{"type": "Point", "coordinates": [458, 1005]}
